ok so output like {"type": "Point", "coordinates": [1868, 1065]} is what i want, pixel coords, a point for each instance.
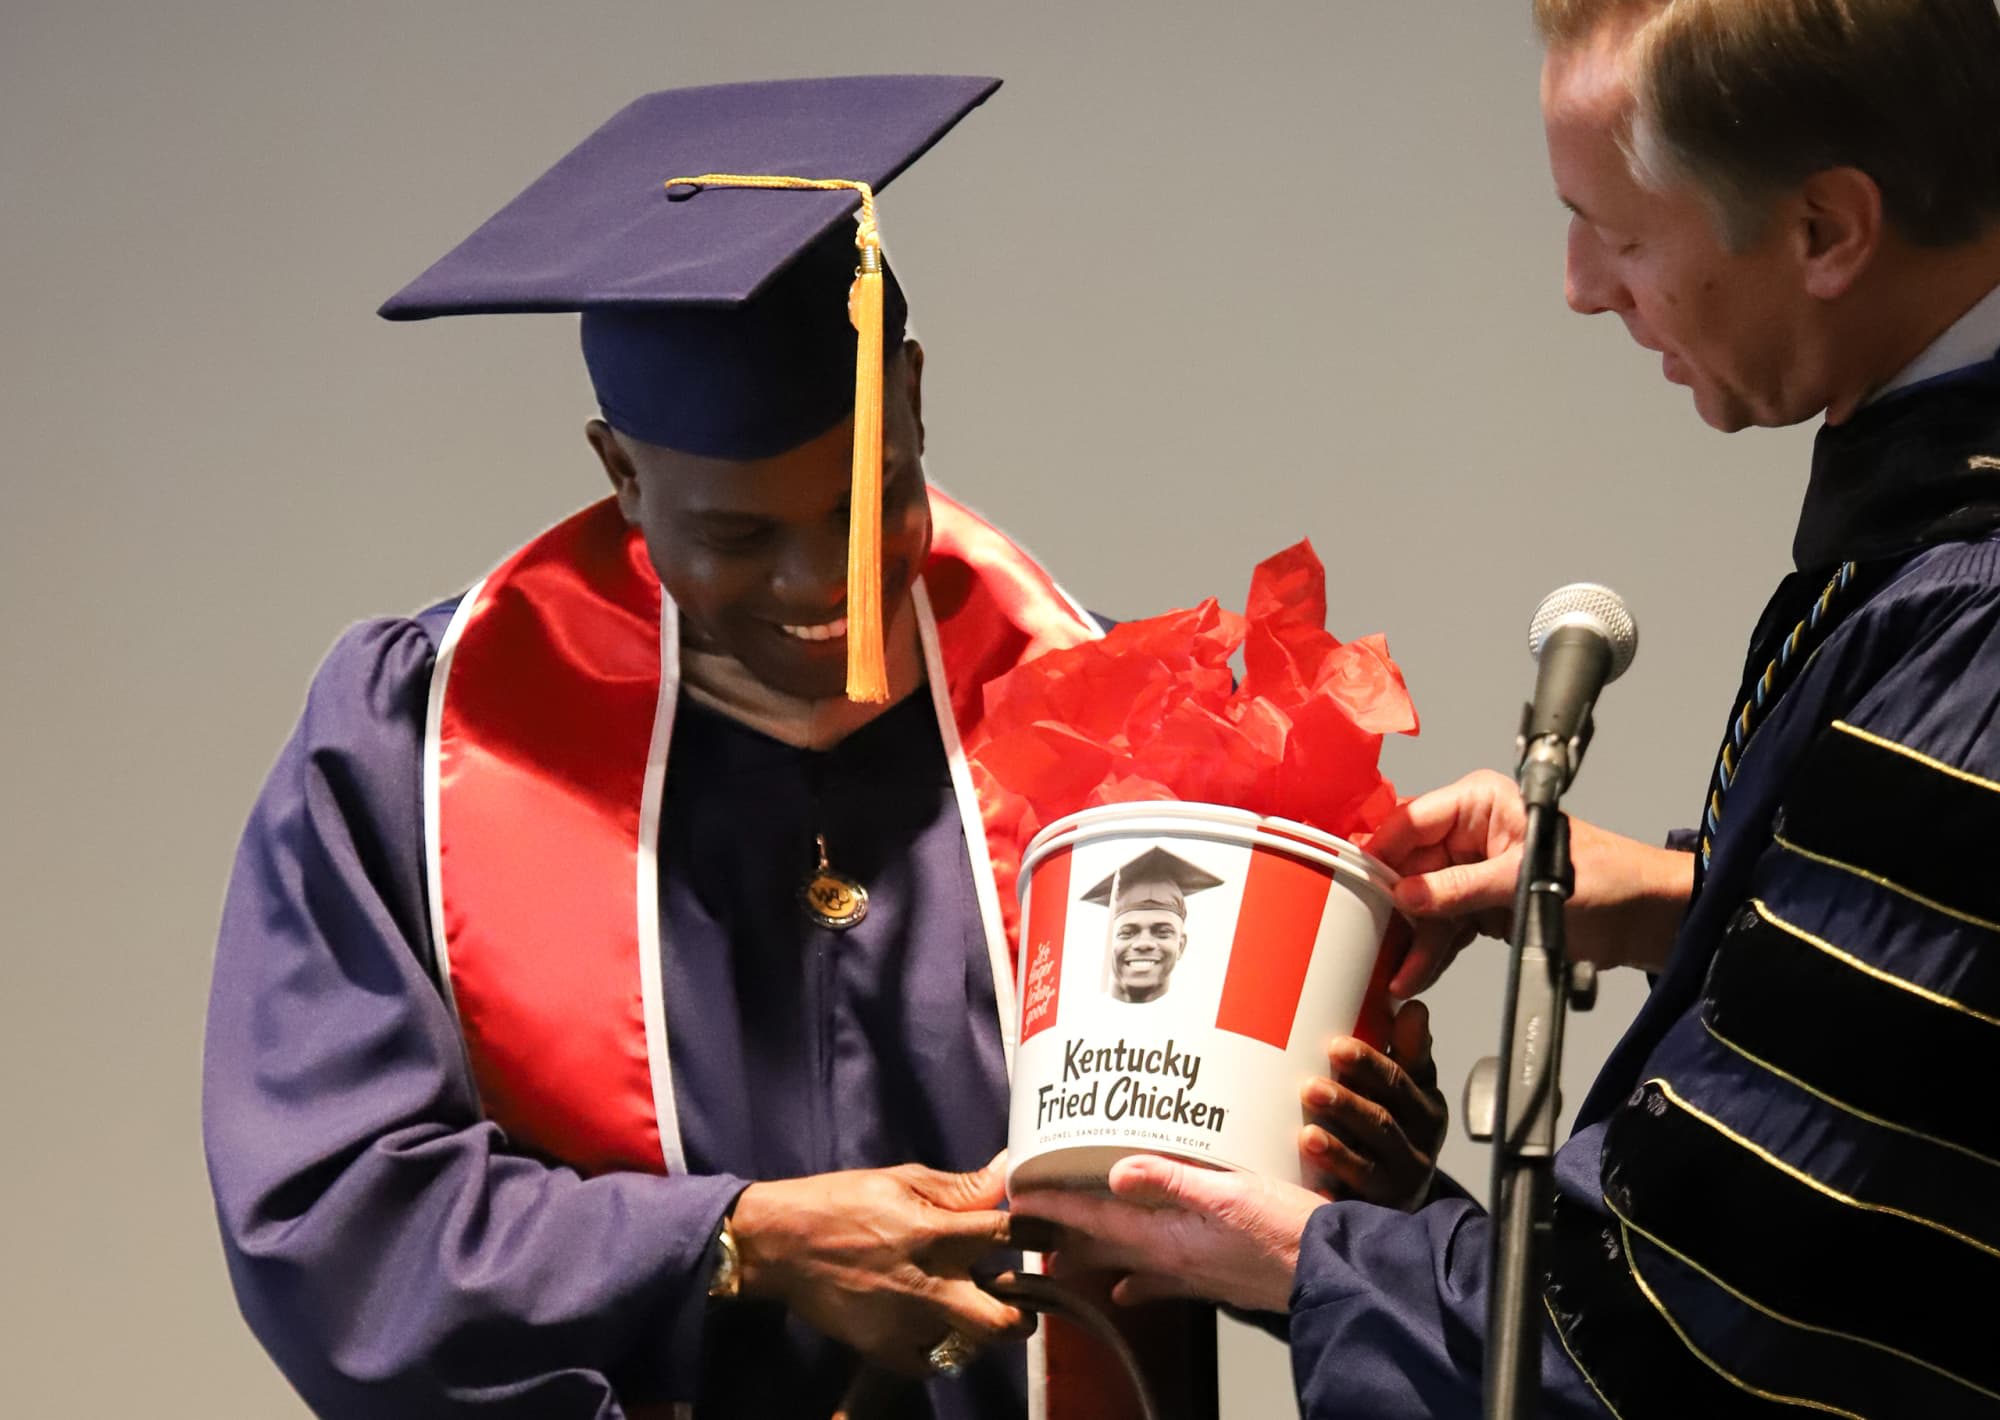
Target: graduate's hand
{"type": "Point", "coordinates": [879, 1258]}
{"type": "Point", "coordinates": [1377, 1123]}
{"type": "Point", "coordinates": [1181, 1230]}
{"type": "Point", "coordinates": [1459, 849]}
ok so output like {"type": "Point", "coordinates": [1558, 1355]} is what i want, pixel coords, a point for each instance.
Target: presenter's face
{"type": "Point", "coordinates": [754, 552]}
{"type": "Point", "coordinates": [1727, 322]}
{"type": "Point", "coordinates": [1146, 946]}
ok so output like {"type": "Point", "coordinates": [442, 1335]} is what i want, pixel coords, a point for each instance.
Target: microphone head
{"type": "Point", "coordinates": [1594, 608]}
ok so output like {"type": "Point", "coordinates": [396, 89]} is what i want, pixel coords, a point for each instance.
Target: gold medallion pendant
{"type": "Point", "coordinates": [831, 898]}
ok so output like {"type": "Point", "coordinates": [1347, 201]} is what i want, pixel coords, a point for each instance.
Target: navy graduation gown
{"type": "Point", "coordinates": [391, 1253]}
{"type": "Point", "coordinates": [1787, 1178]}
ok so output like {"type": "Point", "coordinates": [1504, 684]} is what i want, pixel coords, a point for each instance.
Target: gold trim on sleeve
{"type": "Point", "coordinates": [1890, 883]}
{"type": "Point", "coordinates": [1629, 1227]}
{"type": "Point", "coordinates": [1842, 1105]}
{"type": "Point", "coordinates": [1632, 1266]}
{"type": "Point", "coordinates": [1848, 958]}
{"type": "Point", "coordinates": [1918, 755]}
{"type": "Point", "coordinates": [1826, 1189]}
{"type": "Point", "coordinates": [1577, 1361]}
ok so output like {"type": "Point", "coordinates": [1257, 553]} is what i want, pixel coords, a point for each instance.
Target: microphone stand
{"type": "Point", "coordinates": [1517, 1106]}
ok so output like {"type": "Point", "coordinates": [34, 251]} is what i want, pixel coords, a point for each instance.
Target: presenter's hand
{"type": "Point", "coordinates": [1180, 1230]}
{"type": "Point", "coordinates": [879, 1258]}
{"type": "Point", "coordinates": [1459, 849]}
{"type": "Point", "coordinates": [1378, 1121]}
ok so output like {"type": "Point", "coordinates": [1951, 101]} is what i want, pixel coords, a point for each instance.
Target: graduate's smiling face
{"type": "Point", "coordinates": [1736, 325]}
{"type": "Point", "coordinates": [754, 553]}
{"type": "Point", "coordinates": [1146, 946]}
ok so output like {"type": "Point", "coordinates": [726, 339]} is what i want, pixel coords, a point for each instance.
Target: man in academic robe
{"type": "Point", "coordinates": [612, 1010]}
{"type": "Point", "coordinates": [1780, 1195]}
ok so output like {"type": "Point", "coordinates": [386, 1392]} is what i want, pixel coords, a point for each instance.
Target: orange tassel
{"type": "Point", "coordinates": [867, 668]}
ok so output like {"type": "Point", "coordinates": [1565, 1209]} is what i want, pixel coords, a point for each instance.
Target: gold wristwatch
{"type": "Point", "coordinates": [728, 1278]}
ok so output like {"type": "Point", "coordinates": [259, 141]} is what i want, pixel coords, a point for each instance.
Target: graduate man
{"type": "Point", "coordinates": [613, 1003]}
{"type": "Point", "coordinates": [1781, 1191]}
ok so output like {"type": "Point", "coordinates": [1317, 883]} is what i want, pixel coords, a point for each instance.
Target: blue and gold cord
{"type": "Point", "coordinates": [1770, 687]}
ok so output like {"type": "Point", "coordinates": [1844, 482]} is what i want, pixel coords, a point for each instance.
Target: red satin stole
{"type": "Point", "coordinates": [543, 737]}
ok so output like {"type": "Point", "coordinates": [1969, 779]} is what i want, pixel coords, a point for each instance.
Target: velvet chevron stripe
{"type": "Point", "coordinates": [1901, 818]}
{"type": "Point", "coordinates": [1631, 1355]}
{"type": "Point", "coordinates": [1796, 1245]}
{"type": "Point", "coordinates": [1765, 968]}
{"type": "Point", "coordinates": [1775, 1355]}
{"type": "Point", "coordinates": [1620, 1303]}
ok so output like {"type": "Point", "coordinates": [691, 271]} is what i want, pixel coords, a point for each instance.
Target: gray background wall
{"type": "Point", "coordinates": [1201, 279]}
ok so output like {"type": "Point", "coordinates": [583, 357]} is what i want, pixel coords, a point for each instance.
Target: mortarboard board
{"type": "Point", "coordinates": [716, 316]}
{"type": "Point", "coordinates": [1155, 879]}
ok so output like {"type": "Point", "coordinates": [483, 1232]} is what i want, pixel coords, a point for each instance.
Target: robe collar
{"type": "Point", "coordinates": [1919, 466]}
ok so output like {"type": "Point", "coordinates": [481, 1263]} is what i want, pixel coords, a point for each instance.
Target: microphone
{"type": "Point", "coordinates": [1582, 638]}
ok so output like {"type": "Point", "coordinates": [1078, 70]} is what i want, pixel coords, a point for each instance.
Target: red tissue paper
{"type": "Point", "coordinates": [1151, 712]}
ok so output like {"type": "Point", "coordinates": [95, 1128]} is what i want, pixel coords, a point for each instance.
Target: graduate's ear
{"type": "Point", "coordinates": [913, 376]}
{"type": "Point", "coordinates": [617, 467]}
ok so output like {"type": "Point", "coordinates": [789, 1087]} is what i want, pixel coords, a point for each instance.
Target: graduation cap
{"type": "Point", "coordinates": [730, 307]}
{"type": "Point", "coordinates": [1155, 879]}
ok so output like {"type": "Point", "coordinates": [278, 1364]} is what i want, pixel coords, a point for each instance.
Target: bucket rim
{"type": "Point", "coordinates": [1178, 815]}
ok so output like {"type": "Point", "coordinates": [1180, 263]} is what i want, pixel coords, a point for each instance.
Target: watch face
{"type": "Point", "coordinates": [725, 1281]}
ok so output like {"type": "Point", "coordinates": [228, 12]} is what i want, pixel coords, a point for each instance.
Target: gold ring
{"type": "Point", "coordinates": [949, 1356]}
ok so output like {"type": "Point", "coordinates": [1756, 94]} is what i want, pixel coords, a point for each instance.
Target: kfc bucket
{"type": "Point", "coordinates": [1182, 968]}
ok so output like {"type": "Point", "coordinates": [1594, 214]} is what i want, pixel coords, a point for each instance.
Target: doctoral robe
{"type": "Point", "coordinates": [1784, 1186]}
